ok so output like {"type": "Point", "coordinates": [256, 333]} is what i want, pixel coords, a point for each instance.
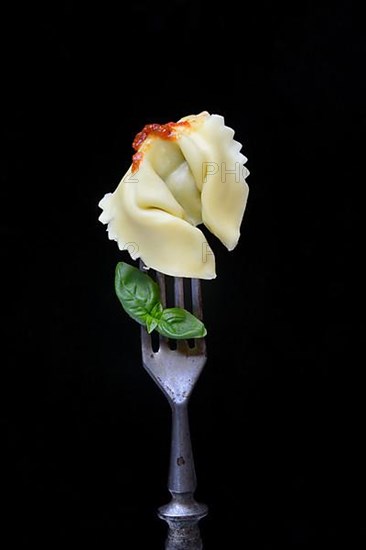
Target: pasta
{"type": "Point", "coordinates": [183, 174]}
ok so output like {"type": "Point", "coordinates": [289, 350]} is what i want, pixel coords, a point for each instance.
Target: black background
{"type": "Point", "coordinates": [278, 415]}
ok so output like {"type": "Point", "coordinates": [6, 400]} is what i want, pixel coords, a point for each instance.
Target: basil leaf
{"type": "Point", "coordinates": [157, 310]}
{"type": "Point", "coordinates": [151, 323]}
{"type": "Point", "coordinates": [139, 295]}
{"type": "Point", "coordinates": [137, 292]}
{"type": "Point", "coordinates": [179, 324]}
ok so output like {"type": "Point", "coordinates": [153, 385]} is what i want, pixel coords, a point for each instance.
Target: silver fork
{"type": "Point", "coordinates": [176, 373]}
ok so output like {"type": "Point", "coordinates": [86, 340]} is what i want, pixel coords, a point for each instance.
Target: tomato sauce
{"type": "Point", "coordinates": [163, 131]}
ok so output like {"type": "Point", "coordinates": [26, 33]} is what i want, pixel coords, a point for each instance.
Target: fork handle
{"type": "Point", "coordinates": [183, 535]}
{"type": "Point", "coordinates": [182, 513]}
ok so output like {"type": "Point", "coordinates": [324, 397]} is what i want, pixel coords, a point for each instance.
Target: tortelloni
{"type": "Point", "coordinates": [183, 174]}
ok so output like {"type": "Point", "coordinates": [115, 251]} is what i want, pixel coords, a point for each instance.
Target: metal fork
{"type": "Point", "coordinates": [176, 373]}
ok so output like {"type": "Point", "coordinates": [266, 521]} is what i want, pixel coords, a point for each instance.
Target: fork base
{"type": "Point", "coordinates": [182, 515]}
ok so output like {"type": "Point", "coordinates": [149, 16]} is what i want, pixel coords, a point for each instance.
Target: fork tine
{"type": "Point", "coordinates": [200, 343]}
{"type": "Point", "coordinates": [146, 344]}
{"type": "Point", "coordinates": [178, 292]}
{"type": "Point", "coordinates": [162, 285]}
{"type": "Point", "coordinates": [196, 298]}
{"type": "Point", "coordinates": [160, 278]}
{"type": "Point", "coordinates": [179, 302]}
{"type": "Point", "coordinates": [142, 265]}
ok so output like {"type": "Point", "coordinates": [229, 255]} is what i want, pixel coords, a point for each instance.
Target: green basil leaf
{"type": "Point", "coordinates": [140, 297]}
{"type": "Point", "coordinates": [138, 293]}
{"type": "Point", "coordinates": [151, 323]}
{"type": "Point", "coordinates": [157, 311]}
{"type": "Point", "coordinates": [179, 324]}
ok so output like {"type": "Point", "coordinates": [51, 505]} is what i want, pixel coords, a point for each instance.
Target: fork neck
{"type": "Point", "coordinates": [182, 476]}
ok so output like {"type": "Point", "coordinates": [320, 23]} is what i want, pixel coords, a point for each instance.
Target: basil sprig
{"type": "Point", "coordinates": [139, 295]}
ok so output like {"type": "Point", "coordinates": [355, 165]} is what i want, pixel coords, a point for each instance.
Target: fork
{"type": "Point", "coordinates": [176, 372]}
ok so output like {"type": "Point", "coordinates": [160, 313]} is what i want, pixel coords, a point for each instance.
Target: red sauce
{"type": "Point", "coordinates": [136, 161]}
{"type": "Point", "coordinates": [164, 131]}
